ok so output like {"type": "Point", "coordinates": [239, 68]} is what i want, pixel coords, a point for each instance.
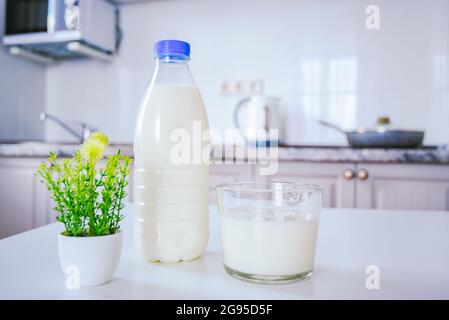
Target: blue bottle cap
{"type": "Point", "coordinates": [171, 47]}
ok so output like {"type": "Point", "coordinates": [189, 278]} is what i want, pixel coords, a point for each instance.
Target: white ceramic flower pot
{"type": "Point", "coordinates": [90, 261]}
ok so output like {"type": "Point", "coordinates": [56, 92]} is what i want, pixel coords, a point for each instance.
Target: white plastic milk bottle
{"type": "Point", "coordinates": [171, 177]}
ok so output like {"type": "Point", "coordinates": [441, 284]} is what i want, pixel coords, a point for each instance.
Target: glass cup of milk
{"type": "Point", "coordinates": [269, 230]}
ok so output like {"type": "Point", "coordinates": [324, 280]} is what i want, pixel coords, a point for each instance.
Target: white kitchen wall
{"type": "Point", "coordinates": [317, 55]}
{"type": "Point", "coordinates": [22, 95]}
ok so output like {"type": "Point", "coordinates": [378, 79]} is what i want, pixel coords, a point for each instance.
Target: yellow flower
{"type": "Point", "coordinates": [102, 138]}
{"type": "Point", "coordinates": [92, 150]}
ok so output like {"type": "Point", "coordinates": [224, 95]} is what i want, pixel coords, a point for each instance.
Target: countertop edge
{"type": "Point", "coordinates": [235, 154]}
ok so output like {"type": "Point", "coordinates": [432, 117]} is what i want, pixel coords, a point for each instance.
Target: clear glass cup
{"type": "Point", "coordinates": [269, 230]}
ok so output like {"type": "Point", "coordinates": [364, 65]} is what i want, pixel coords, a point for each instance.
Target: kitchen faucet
{"type": "Point", "coordinates": [86, 130]}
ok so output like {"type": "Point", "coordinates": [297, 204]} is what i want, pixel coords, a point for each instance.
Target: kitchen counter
{"type": "Point", "coordinates": [410, 248]}
{"type": "Point", "coordinates": [425, 155]}
{"type": "Point", "coordinates": [38, 149]}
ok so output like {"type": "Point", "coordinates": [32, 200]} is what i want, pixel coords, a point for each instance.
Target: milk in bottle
{"type": "Point", "coordinates": [170, 195]}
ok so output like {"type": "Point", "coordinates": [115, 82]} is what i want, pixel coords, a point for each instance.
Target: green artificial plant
{"type": "Point", "coordinates": [89, 197]}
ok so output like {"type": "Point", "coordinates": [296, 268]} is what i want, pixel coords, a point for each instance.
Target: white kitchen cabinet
{"type": "Point", "coordinates": [25, 202]}
{"type": "Point", "coordinates": [374, 186]}
{"type": "Point", "coordinates": [403, 186]}
{"type": "Point", "coordinates": [20, 200]}
{"type": "Point", "coordinates": [338, 191]}
{"type": "Point", "coordinates": [43, 203]}
{"type": "Point", "coordinates": [221, 173]}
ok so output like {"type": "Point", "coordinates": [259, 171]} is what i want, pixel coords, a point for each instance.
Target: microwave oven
{"type": "Point", "coordinates": [52, 27]}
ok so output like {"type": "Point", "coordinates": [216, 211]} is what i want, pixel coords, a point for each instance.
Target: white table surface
{"type": "Point", "coordinates": [410, 248]}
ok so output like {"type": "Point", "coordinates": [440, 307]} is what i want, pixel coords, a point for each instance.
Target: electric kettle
{"type": "Point", "coordinates": [259, 120]}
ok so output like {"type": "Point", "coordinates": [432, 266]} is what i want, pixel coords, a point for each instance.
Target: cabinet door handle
{"type": "Point", "coordinates": [348, 174]}
{"type": "Point", "coordinates": [362, 174]}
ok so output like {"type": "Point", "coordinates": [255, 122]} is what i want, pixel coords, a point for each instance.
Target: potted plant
{"type": "Point", "coordinates": [89, 199]}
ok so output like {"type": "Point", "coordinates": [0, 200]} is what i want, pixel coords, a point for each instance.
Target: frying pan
{"type": "Point", "coordinates": [380, 138]}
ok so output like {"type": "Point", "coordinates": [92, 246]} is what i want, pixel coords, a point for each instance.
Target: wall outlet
{"type": "Point", "coordinates": [256, 86]}
{"type": "Point", "coordinates": [241, 87]}
{"type": "Point", "coordinates": [225, 88]}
